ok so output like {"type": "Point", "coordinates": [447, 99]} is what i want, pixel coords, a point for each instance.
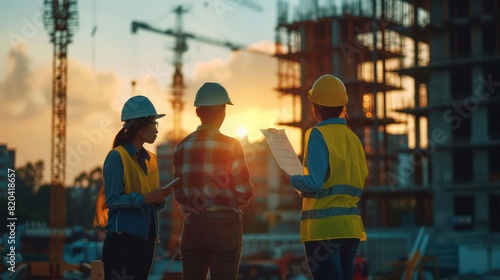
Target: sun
{"type": "Point", "coordinates": [241, 131]}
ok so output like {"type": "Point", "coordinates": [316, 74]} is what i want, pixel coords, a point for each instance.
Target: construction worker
{"type": "Point", "coordinates": [335, 170]}
{"type": "Point", "coordinates": [214, 185]}
{"type": "Point", "coordinates": [130, 198]}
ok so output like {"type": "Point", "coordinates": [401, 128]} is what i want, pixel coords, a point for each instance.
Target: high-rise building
{"type": "Point", "coordinates": [461, 89]}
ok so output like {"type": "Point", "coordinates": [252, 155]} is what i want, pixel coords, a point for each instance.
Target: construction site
{"type": "Point", "coordinates": [423, 83]}
{"type": "Point", "coordinates": [420, 66]}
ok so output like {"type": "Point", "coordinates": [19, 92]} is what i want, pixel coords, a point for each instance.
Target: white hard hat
{"type": "Point", "coordinates": [211, 94]}
{"type": "Point", "coordinates": [139, 107]}
{"type": "Point", "coordinates": [328, 91]}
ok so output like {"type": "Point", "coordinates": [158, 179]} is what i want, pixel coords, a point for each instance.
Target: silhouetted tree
{"type": "Point", "coordinates": [81, 198]}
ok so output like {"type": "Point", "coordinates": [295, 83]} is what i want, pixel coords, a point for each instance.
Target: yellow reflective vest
{"type": "Point", "coordinates": [134, 178]}
{"type": "Point", "coordinates": [331, 213]}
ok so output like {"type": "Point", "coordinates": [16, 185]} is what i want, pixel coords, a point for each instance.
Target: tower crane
{"type": "Point", "coordinates": [181, 47]}
{"type": "Point", "coordinates": [60, 20]}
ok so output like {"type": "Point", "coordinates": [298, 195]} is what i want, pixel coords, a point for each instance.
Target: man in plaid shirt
{"type": "Point", "coordinates": [214, 184]}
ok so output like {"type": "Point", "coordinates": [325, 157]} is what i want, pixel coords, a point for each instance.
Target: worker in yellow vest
{"type": "Point", "coordinates": [334, 176]}
{"type": "Point", "coordinates": [128, 203]}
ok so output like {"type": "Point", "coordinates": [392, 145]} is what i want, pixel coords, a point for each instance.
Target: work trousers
{"type": "Point", "coordinates": [211, 241]}
{"type": "Point", "coordinates": [332, 259]}
{"type": "Point", "coordinates": [126, 256]}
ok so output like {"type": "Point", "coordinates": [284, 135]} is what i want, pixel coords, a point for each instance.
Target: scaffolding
{"type": "Point", "coordinates": [364, 43]}
{"type": "Point", "coordinates": [420, 63]}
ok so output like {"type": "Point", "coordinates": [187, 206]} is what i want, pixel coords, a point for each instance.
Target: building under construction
{"type": "Point", "coordinates": [423, 82]}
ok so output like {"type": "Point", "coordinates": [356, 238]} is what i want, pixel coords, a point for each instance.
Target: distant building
{"type": "Point", "coordinates": [7, 160]}
{"type": "Point", "coordinates": [170, 217]}
{"type": "Point", "coordinates": [274, 207]}
{"type": "Point", "coordinates": [461, 89]}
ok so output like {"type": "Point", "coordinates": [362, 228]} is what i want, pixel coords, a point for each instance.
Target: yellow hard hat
{"type": "Point", "coordinates": [328, 91]}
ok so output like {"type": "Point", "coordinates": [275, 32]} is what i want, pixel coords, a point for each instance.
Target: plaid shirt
{"type": "Point", "coordinates": [213, 171]}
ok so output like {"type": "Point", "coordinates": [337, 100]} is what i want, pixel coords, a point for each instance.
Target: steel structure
{"type": "Point", "coordinates": [463, 171]}
{"type": "Point", "coordinates": [353, 40]}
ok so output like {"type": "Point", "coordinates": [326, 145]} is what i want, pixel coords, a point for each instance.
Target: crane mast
{"type": "Point", "coordinates": [60, 20]}
{"type": "Point", "coordinates": [178, 79]}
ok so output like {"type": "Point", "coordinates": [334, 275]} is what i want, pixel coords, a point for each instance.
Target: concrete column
{"type": "Point", "coordinates": [439, 41]}
{"type": "Point", "coordinates": [438, 90]}
{"type": "Point", "coordinates": [479, 126]}
{"type": "Point", "coordinates": [439, 130]}
{"type": "Point", "coordinates": [337, 57]}
{"type": "Point", "coordinates": [481, 166]}
{"type": "Point", "coordinates": [475, 8]}
{"type": "Point", "coordinates": [479, 113]}
{"type": "Point", "coordinates": [437, 10]}
{"type": "Point", "coordinates": [443, 210]}
{"type": "Point", "coordinates": [476, 37]}
{"type": "Point", "coordinates": [481, 216]}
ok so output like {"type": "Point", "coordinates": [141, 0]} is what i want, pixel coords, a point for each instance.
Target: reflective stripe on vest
{"type": "Point", "coordinates": [337, 189]}
{"type": "Point", "coordinates": [328, 212]}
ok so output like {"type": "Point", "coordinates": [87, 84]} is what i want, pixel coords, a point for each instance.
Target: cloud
{"type": "Point", "coordinates": [95, 100]}
{"type": "Point", "coordinates": [26, 113]}
{"type": "Point", "coordinates": [22, 93]}
{"type": "Point", "coordinates": [17, 83]}
{"type": "Point", "coordinates": [245, 75]}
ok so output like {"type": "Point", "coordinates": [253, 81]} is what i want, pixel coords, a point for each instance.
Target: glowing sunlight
{"type": "Point", "coordinates": [241, 131]}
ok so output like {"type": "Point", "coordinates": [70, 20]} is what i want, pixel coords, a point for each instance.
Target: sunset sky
{"type": "Point", "coordinates": [101, 69]}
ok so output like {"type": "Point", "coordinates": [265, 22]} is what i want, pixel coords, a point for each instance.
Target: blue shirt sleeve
{"type": "Point", "coordinates": [318, 164]}
{"type": "Point", "coordinates": [113, 185]}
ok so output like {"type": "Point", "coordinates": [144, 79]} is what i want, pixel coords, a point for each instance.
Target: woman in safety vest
{"type": "Point", "coordinates": [335, 170]}
{"type": "Point", "coordinates": [130, 198]}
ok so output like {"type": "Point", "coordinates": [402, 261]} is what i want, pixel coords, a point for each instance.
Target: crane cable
{"type": "Point", "coordinates": [92, 34]}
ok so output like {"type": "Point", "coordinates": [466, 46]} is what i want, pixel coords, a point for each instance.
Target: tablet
{"type": "Point", "coordinates": [171, 184]}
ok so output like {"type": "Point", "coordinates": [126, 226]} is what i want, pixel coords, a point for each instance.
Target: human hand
{"type": "Point", "coordinates": [285, 177]}
{"type": "Point", "coordinates": [156, 196]}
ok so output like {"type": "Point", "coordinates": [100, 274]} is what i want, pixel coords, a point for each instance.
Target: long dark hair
{"type": "Point", "coordinates": [126, 134]}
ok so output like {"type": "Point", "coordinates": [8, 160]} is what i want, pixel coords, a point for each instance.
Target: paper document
{"type": "Point", "coordinates": [283, 151]}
